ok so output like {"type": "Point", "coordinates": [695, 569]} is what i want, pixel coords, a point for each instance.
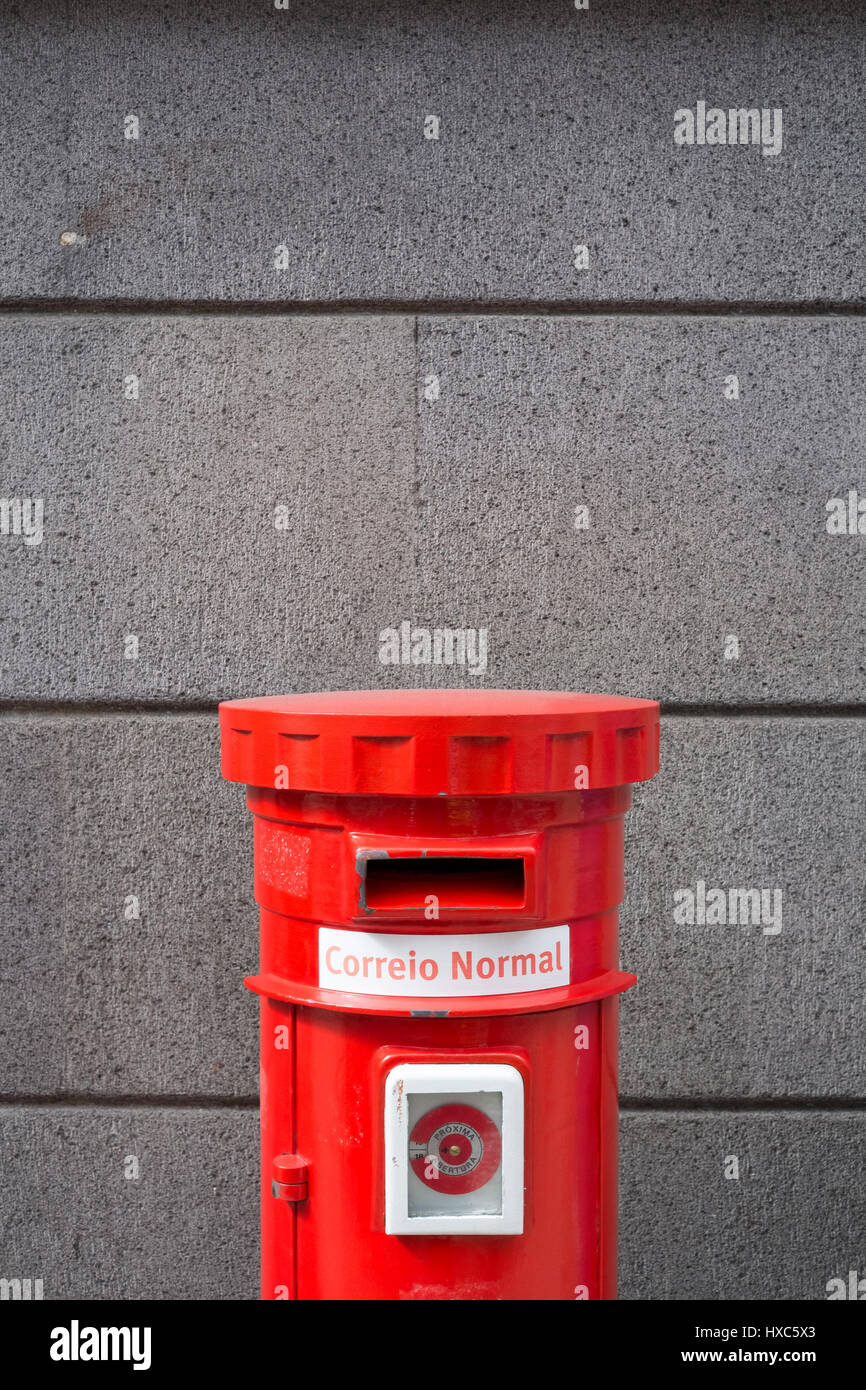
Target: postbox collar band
{"type": "Point", "coordinates": [439, 742]}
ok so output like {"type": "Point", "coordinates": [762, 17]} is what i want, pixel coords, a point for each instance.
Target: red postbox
{"type": "Point", "coordinates": [439, 873]}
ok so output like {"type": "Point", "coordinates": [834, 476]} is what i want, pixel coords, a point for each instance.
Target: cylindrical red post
{"type": "Point", "coordinates": [439, 874]}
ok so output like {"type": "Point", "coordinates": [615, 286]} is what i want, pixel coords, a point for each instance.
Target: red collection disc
{"type": "Point", "coordinates": [455, 1148]}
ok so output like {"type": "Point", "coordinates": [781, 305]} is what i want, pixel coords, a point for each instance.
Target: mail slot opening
{"type": "Point", "coordinates": [463, 882]}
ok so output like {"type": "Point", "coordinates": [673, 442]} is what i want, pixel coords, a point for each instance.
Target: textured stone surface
{"type": "Point", "coordinates": [735, 1010]}
{"type": "Point", "coordinates": [429, 469]}
{"type": "Point", "coordinates": [161, 512]}
{"type": "Point", "coordinates": [707, 516]}
{"type": "Point", "coordinates": [96, 811]}
{"type": "Point", "coordinates": [791, 1222]}
{"type": "Point", "coordinates": [303, 128]}
{"type": "Point", "coordinates": [128, 1203]}
{"type": "Point", "coordinates": [186, 1227]}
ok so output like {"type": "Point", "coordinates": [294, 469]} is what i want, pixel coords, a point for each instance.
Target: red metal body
{"type": "Point", "coordinates": [506, 810]}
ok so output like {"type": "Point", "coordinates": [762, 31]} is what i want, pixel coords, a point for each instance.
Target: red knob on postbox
{"type": "Point", "coordinates": [438, 874]}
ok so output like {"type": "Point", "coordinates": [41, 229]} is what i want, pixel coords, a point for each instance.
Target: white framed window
{"type": "Point", "coordinates": [454, 1149]}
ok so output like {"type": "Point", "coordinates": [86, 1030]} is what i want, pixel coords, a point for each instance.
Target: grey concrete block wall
{"type": "Point", "coordinates": [128, 925]}
{"type": "Point", "coordinates": [726, 1205]}
{"type": "Point", "coordinates": [191, 467]}
{"type": "Point", "coordinates": [285, 372]}
{"type": "Point", "coordinates": [750, 1004]}
{"type": "Point", "coordinates": [705, 516]}
{"type": "Point", "coordinates": [107, 1198]}
{"type": "Point", "coordinates": [281, 153]}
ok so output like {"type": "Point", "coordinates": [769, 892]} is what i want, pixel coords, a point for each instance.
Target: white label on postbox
{"type": "Point", "coordinates": [504, 962]}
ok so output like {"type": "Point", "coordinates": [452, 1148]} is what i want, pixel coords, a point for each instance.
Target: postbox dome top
{"type": "Point", "coordinates": [440, 742]}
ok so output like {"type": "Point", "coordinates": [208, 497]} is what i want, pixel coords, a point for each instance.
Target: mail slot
{"type": "Point", "coordinates": [438, 875]}
{"type": "Point", "coordinates": [444, 883]}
